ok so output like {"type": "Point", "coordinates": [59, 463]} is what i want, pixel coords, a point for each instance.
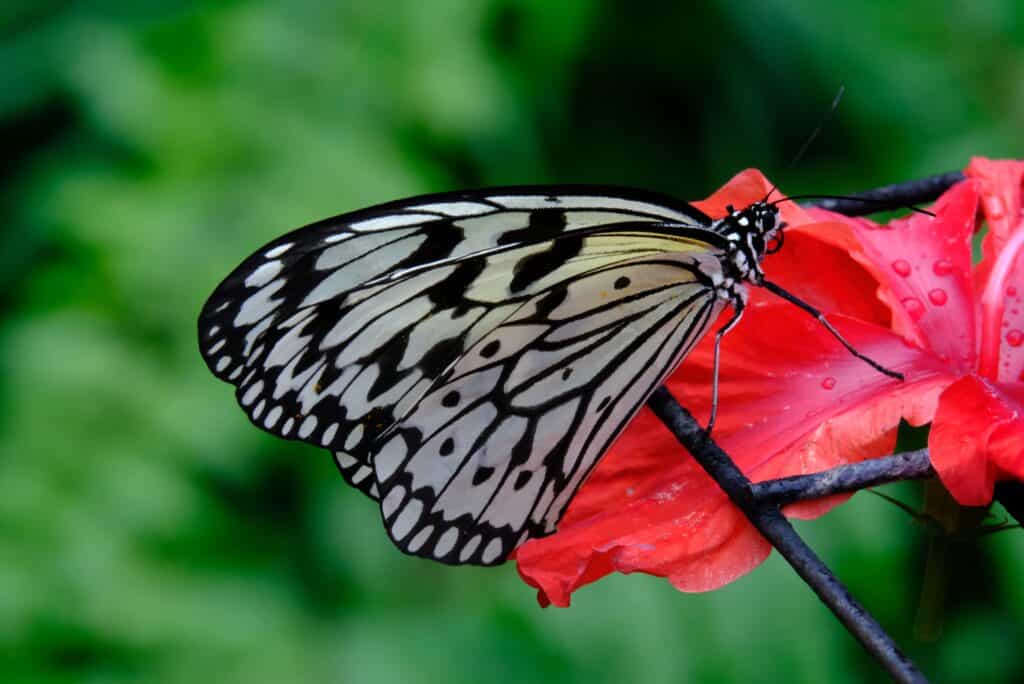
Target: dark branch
{"type": "Point", "coordinates": [911, 465]}
{"type": "Point", "coordinates": [898, 196]}
{"type": "Point", "coordinates": [774, 526]}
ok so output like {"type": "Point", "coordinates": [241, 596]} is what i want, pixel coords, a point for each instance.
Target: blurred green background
{"type": "Point", "coordinates": [149, 533]}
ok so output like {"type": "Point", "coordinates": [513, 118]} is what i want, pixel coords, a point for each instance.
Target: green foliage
{"type": "Point", "coordinates": [149, 533]}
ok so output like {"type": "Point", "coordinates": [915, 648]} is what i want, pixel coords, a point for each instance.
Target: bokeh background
{"type": "Point", "coordinates": [149, 533]}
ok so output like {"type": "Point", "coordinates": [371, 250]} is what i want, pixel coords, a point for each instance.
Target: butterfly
{"type": "Point", "coordinates": [468, 357]}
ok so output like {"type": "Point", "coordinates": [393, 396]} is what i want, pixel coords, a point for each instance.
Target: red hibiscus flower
{"type": "Point", "coordinates": [793, 401]}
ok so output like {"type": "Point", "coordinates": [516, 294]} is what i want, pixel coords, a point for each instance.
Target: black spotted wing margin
{"type": "Point", "coordinates": [492, 455]}
{"type": "Point", "coordinates": [334, 331]}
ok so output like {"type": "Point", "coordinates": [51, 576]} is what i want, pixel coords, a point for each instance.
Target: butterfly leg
{"type": "Point", "coordinates": [738, 307]}
{"type": "Point", "coordinates": [793, 299]}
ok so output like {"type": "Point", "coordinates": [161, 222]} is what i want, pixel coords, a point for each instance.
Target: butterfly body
{"type": "Point", "coordinates": [468, 357]}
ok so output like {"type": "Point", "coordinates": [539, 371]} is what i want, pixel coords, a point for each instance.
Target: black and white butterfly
{"type": "Point", "coordinates": [468, 357]}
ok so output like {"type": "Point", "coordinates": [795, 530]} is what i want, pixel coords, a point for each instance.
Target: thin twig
{"type": "Point", "coordinates": [774, 526]}
{"type": "Point", "coordinates": [897, 196]}
{"type": "Point", "coordinates": [910, 465]}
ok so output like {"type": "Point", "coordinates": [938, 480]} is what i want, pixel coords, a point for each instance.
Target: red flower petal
{"type": "Point", "coordinates": [999, 276]}
{"type": "Point", "coordinates": [977, 437]}
{"type": "Point", "coordinates": [648, 507]}
{"type": "Point", "coordinates": [1001, 337]}
{"type": "Point", "coordinates": [923, 265]}
{"type": "Point", "coordinates": [825, 276]}
{"type": "Point", "coordinates": [1000, 183]}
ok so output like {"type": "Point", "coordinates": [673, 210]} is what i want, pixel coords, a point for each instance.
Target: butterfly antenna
{"type": "Point", "coordinates": [812, 137]}
{"type": "Point", "coordinates": [884, 204]}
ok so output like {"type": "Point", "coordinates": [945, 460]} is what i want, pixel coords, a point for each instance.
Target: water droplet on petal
{"type": "Point", "coordinates": [914, 307]}
{"type": "Point", "coordinates": [942, 267]}
{"type": "Point", "coordinates": [938, 296]}
{"type": "Point", "coordinates": [902, 267]}
{"type": "Point", "coordinates": [828, 383]}
{"type": "Point", "coordinates": [1014, 337]}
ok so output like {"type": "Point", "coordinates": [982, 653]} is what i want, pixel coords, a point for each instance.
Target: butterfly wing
{"type": "Point", "coordinates": [337, 332]}
{"type": "Point", "coordinates": [492, 455]}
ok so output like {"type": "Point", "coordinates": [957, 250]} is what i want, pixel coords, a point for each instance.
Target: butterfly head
{"type": "Point", "coordinates": [751, 232]}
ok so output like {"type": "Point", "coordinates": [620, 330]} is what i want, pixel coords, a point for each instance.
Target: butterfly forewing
{"type": "Point", "coordinates": [425, 343]}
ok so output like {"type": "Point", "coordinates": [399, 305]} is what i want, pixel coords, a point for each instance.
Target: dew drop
{"type": "Point", "coordinates": [938, 296]}
{"type": "Point", "coordinates": [914, 307]}
{"type": "Point", "coordinates": [1014, 337]}
{"type": "Point", "coordinates": [901, 267]}
{"type": "Point", "coordinates": [828, 383]}
{"type": "Point", "coordinates": [942, 267]}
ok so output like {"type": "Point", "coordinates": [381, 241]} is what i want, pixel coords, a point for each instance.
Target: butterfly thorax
{"type": "Point", "coordinates": [749, 233]}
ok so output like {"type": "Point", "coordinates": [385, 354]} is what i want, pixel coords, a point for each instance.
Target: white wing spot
{"type": "Point", "coordinates": [258, 411]}
{"type": "Point", "coordinates": [273, 416]}
{"type": "Point", "coordinates": [446, 543]}
{"type": "Point", "coordinates": [328, 435]}
{"type": "Point", "coordinates": [260, 303]}
{"type": "Point", "coordinates": [345, 460]}
{"type": "Point", "coordinates": [222, 363]}
{"type": "Point", "coordinates": [264, 274]}
{"type": "Point", "coordinates": [252, 392]}
{"type": "Point", "coordinates": [420, 539]}
{"type": "Point", "coordinates": [492, 551]}
{"type": "Point", "coordinates": [337, 237]}
{"type": "Point", "coordinates": [389, 458]}
{"type": "Point", "coordinates": [392, 501]}
{"type": "Point", "coordinates": [360, 474]}
{"type": "Point", "coordinates": [469, 548]}
{"type": "Point", "coordinates": [307, 427]}
{"type": "Point", "coordinates": [278, 251]}
{"type": "Point", "coordinates": [216, 347]}
{"type": "Point", "coordinates": [235, 373]}
{"type": "Point", "coordinates": [287, 427]}
{"type": "Point", "coordinates": [214, 329]}
{"type": "Point", "coordinates": [392, 221]}
{"type": "Point", "coordinates": [354, 437]}
{"type": "Point", "coordinates": [456, 208]}
{"type": "Point", "coordinates": [407, 519]}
